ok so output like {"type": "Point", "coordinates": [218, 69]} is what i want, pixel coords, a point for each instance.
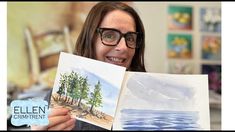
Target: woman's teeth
{"type": "Point", "coordinates": [118, 60]}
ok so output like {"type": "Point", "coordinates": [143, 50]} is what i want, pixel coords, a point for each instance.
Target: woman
{"type": "Point", "coordinates": [113, 33]}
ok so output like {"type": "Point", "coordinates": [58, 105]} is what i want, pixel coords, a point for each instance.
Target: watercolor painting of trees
{"type": "Point", "coordinates": [85, 86]}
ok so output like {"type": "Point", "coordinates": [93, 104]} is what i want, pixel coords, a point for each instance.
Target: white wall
{"type": "Point", "coordinates": [154, 17]}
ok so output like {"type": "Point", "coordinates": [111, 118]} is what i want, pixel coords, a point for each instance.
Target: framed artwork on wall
{"type": "Point", "coordinates": [179, 46]}
{"type": "Point", "coordinates": [176, 67]}
{"type": "Point", "coordinates": [210, 19]}
{"type": "Point", "coordinates": [211, 47]}
{"type": "Point", "coordinates": [214, 76]}
{"type": "Point", "coordinates": [180, 18]}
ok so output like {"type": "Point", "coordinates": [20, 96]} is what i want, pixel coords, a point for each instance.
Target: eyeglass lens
{"type": "Point", "coordinates": [112, 37]}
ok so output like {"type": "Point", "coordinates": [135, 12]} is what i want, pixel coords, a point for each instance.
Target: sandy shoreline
{"type": "Point", "coordinates": [104, 121]}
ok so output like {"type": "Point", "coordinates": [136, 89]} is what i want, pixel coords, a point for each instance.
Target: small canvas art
{"type": "Point", "coordinates": [180, 18]}
{"type": "Point", "coordinates": [214, 76]}
{"type": "Point", "coordinates": [179, 46]}
{"type": "Point", "coordinates": [210, 19]}
{"type": "Point", "coordinates": [180, 68]}
{"type": "Point", "coordinates": [153, 101]}
{"type": "Point", "coordinates": [87, 88]}
{"type": "Point", "coordinates": [211, 48]}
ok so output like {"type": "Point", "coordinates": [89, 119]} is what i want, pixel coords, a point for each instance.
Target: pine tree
{"type": "Point", "coordinates": [96, 98]}
{"type": "Point", "coordinates": [69, 86]}
{"type": "Point", "coordinates": [62, 81]}
{"type": "Point", "coordinates": [83, 89]}
{"type": "Point", "coordinates": [73, 84]}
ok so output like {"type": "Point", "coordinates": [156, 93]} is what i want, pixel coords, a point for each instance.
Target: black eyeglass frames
{"type": "Point", "coordinates": [111, 37]}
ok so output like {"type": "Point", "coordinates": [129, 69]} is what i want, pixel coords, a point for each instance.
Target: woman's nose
{"type": "Point", "coordinates": [121, 45]}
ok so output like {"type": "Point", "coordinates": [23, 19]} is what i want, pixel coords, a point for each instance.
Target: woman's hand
{"type": "Point", "coordinates": [59, 119]}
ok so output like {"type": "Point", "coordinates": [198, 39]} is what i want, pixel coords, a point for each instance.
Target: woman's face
{"type": "Point", "coordinates": [120, 54]}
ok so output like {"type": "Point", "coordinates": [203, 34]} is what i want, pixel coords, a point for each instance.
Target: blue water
{"type": "Point", "coordinates": [133, 119]}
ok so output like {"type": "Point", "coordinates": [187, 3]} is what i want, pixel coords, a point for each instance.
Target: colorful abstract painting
{"type": "Point", "coordinates": [179, 46]}
{"type": "Point", "coordinates": [180, 18]}
{"type": "Point", "coordinates": [211, 47]}
{"type": "Point", "coordinates": [210, 19]}
{"type": "Point", "coordinates": [152, 101]}
{"type": "Point", "coordinates": [214, 76]}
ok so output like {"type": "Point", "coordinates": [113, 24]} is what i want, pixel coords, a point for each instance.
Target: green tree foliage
{"type": "Point", "coordinates": [73, 86]}
{"type": "Point", "coordinates": [62, 82]}
{"type": "Point", "coordinates": [96, 98]}
{"type": "Point", "coordinates": [76, 87]}
{"type": "Point", "coordinates": [83, 89]}
{"type": "Point", "coordinates": [66, 87]}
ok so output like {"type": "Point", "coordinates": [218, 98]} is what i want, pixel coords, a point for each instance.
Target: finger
{"type": "Point", "coordinates": [58, 120]}
{"type": "Point", "coordinates": [36, 127]}
{"type": "Point", "coordinates": [58, 106]}
{"type": "Point", "coordinates": [68, 125]}
{"type": "Point", "coordinates": [58, 112]}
